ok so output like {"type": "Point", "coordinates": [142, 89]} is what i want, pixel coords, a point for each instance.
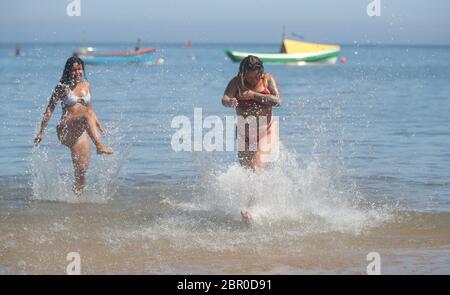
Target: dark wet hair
{"type": "Point", "coordinates": [249, 64]}
{"type": "Point", "coordinates": [66, 78]}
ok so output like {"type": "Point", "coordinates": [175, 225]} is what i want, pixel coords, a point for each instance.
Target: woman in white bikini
{"type": "Point", "coordinates": [78, 121]}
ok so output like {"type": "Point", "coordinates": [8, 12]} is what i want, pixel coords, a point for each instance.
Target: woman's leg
{"type": "Point", "coordinates": [69, 131]}
{"type": "Point", "coordinates": [81, 153]}
{"type": "Point", "coordinates": [268, 146]}
{"type": "Point", "coordinates": [91, 122]}
{"type": "Point", "coordinates": [73, 133]}
{"type": "Point", "coordinates": [245, 158]}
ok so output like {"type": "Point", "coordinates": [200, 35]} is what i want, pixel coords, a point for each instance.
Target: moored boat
{"type": "Point", "coordinates": [294, 52]}
{"type": "Point", "coordinates": [133, 56]}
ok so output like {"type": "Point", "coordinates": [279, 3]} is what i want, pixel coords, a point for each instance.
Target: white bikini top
{"type": "Point", "coordinates": [71, 99]}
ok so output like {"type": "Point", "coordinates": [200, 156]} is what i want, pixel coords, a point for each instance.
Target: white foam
{"type": "Point", "coordinates": [52, 172]}
{"type": "Point", "coordinates": [310, 193]}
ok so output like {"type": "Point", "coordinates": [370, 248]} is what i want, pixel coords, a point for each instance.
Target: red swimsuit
{"type": "Point", "coordinates": [251, 103]}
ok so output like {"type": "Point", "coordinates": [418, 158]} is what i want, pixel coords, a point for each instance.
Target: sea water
{"type": "Point", "coordinates": [363, 167]}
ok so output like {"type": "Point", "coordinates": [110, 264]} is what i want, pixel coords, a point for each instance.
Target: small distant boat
{"type": "Point", "coordinates": [294, 52]}
{"type": "Point", "coordinates": [89, 56]}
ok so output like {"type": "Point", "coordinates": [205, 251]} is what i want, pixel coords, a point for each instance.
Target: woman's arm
{"type": "Point", "coordinates": [229, 97]}
{"type": "Point", "coordinates": [274, 99]}
{"type": "Point", "coordinates": [100, 126]}
{"type": "Point", "coordinates": [48, 112]}
{"type": "Point", "coordinates": [97, 121]}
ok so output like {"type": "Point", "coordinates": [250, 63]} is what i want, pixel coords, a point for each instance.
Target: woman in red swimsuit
{"type": "Point", "coordinates": [253, 93]}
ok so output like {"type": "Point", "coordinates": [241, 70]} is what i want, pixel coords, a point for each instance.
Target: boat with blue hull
{"type": "Point", "coordinates": [146, 55]}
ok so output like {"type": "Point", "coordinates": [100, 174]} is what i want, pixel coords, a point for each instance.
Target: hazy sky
{"type": "Point", "coordinates": [343, 21]}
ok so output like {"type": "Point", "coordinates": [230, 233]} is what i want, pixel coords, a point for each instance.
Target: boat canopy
{"type": "Point", "coordinates": [294, 46]}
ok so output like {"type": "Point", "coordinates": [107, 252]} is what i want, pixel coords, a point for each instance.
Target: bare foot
{"type": "Point", "coordinates": [247, 216]}
{"type": "Point", "coordinates": [104, 150]}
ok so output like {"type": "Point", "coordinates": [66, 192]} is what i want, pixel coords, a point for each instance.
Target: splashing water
{"type": "Point", "coordinates": [310, 194]}
{"type": "Point", "coordinates": [52, 172]}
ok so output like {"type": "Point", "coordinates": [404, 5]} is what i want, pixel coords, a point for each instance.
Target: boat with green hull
{"type": "Point", "coordinates": [293, 52]}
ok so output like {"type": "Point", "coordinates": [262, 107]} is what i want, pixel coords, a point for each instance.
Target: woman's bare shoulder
{"type": "Point", "coordinates": [85, 84]}
{"type": "Point", "coordinates": [60, 90]}
{"type": "Point", "coordinates": [232, 87]}
{"type": "Point", "coordinates": [268, 76]}
{"type": "Point", "coordinates": [234, 80]}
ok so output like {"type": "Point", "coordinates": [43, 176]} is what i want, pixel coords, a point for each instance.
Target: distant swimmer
{"type": "Point", "coordinates": [78, 121]}
{"type": "Point", "coordinates": [253, 93]}
{"type": "Point", "coordinates": [17, 49]}
{"type": "Point", "coordinates": [138, 45]}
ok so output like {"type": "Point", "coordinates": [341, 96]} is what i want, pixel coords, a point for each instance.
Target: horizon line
{"type": "Point", "coordinates": [222, 43]}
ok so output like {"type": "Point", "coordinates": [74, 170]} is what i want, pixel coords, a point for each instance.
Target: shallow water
{"type": "Point", "coordinates": [363, 168]}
